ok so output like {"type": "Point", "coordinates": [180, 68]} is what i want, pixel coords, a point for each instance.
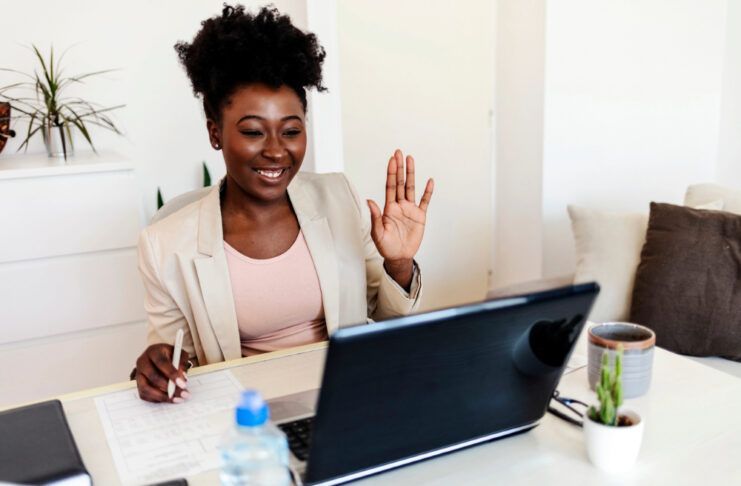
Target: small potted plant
{"type": "Point", "coordinates": [50, 110]}
{"type": "Point", "coordinates": [613, 434]}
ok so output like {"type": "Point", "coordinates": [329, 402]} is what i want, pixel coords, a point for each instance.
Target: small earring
{"type": "Point", "coordinates": [217, 146]}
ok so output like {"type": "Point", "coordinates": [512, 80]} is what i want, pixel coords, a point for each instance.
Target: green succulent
{"type": "Point", "coordinates": [609, 390]}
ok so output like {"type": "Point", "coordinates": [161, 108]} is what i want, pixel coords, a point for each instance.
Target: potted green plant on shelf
{"type": "Point", "coordinates": [42, 100]}
{"type": "Point", "coordinates": [613, 434]}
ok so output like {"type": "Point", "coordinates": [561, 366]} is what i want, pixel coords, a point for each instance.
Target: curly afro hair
{"type": "Point", "coordinates": [238, 48]}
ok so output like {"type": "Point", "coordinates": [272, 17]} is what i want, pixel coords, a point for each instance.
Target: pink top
{"type": "Point", "coordinates": [278, 300]}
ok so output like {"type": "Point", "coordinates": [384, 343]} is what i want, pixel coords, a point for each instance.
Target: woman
{"type": "Point", "coordinates": [270, 258]}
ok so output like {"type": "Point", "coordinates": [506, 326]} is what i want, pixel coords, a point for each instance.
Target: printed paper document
{"type": "Point", "coordinates": [153, 442]}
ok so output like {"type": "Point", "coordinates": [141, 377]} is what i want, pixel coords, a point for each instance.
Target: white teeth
{"type": "Point", "coordinates": [274, 173]}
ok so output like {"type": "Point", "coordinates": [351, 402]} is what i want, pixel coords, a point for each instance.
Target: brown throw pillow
{"type": "Point", "coordinates": [688, 283]}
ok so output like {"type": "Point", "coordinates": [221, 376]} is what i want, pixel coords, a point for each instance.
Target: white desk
{"type": "Point", "coordinates": [692, 435]}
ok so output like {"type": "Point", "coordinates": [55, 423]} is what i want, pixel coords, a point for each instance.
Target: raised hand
{"type": "Point", "coordinates": [397, 232]}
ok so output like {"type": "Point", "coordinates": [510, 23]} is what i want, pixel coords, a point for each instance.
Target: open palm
{"type": "Point", "coordinates": [397, 232]}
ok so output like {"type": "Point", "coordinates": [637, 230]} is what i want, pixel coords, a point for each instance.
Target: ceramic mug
{"type": "Point", "coordinates": [638, 354]}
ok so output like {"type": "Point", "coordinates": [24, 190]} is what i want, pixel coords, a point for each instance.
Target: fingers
{"type": "Point", "coordinates": [399, 175]}
{"type": "Point", "coordinates": [183, 366]}
{"type": "Point", "coordinates": [161, 357]}
{"type": "Point", "coordinates": [376, 221]}
{"type": "Point", "coordinates": [391, 181]}
{"type": "Point", "coordinates": [409, 189]}
{"type": "Point", "coordinates": [427, 195]}
{"type": "Point", "coordinates": [399, 187]}
{"type": "Point", "coordinates": [145, 367]}
{"type": "Point", "coordinates": [150, 393]}
{"type": "Point", "coordinates": [154, 369]}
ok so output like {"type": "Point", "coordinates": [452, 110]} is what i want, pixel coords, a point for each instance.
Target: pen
{"type": "Point", "coordinates": [175, 360]}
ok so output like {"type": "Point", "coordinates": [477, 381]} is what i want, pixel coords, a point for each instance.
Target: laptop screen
{"type": "Point", "coordinates": [401, 388]}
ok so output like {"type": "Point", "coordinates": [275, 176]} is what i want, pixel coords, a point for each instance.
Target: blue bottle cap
{"type": "Point", "coordinates": [252, 410]}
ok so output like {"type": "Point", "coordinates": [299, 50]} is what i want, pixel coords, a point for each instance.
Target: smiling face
{"type": "Point", "coordinates": [263, 137]}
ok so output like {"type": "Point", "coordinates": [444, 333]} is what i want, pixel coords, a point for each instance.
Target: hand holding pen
{"type": "Point", "coordinates": [155, 371]}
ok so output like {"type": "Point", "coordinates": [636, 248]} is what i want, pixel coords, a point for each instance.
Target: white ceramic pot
{"type": "Point", "coordinates": [611, 448]}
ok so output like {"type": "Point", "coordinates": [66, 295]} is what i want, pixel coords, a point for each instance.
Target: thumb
{"type": "Point", "coordinates": [376, 221]}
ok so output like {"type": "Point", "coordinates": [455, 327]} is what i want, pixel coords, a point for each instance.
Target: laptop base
{"type": "Point", "coordinates": [298, 466]}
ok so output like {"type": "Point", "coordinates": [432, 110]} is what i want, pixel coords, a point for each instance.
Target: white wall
{"type": "Point", "coordinates": [416, 75]}
{"type": "Point", "coordinates": [520, 51]}
{"type": "Point", "coordinates": [729, 151]}
{"type": "Point", "coordinates": [632, 107]}
{"type": "Point", "coordinates": [325, 119]}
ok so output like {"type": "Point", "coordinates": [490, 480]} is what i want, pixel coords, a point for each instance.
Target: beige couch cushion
{"type": "Point", "coordinates": [702, 194]}
{"type": "Point", "coordinates": [608, 250]}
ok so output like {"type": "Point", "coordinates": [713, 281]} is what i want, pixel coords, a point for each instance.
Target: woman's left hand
{"type": "Point", "coordinates": [397, 232]}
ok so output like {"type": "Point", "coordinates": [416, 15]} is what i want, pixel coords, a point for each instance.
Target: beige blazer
{"type": "Point", "coordinates": [186, 279]}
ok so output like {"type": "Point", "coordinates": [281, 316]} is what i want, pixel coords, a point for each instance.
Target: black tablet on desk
{"type": "Point", "coordinates": [37, 447]}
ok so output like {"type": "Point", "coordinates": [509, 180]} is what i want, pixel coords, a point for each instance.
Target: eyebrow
{"type": "Point", "coordinates": [255, 117]}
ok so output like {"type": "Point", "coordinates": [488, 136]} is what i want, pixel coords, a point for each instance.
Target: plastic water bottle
{"type": "Point", "coordinates": [254, 452]}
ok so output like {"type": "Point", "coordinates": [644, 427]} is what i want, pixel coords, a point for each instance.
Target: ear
{"type": "Point", "coordinates": [214, 133]}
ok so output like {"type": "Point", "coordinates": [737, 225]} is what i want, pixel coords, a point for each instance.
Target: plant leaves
{"type": "Point", "coordinates": [14, 85]}
{"type": "Point", "coordinates": [43, 66]}
{"type": "Point", "coordinates": [17, 72]}
{"type": "Point", "coordinates": [49, 108]}
{"type": "Point", "coordinates": [206, 176]}
{"type": "Point", "coordinates": [69, 134]}
{"type": "Point", "coordinates": [593, 414]}
{"type": "Point", "coordinates": [30, 132]}
{"type": "Point", "coordinates": [64, 141]}
{"type": "Point", "coordinates": [78, 78]}
{"type": "Point", "coordinates": [14, 104]}
{"type": "Point", "coordinates": [81, 126]}
{"type": "Point", "coordinates": [607, 412]}
{"type": "Point", "coordinates": [51, 73]}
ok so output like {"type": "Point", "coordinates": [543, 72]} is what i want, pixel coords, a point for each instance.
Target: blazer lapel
{"type": "Point", "coordinates": [213, 278]}
{"type": "Point", "coordinates": [319, 239]}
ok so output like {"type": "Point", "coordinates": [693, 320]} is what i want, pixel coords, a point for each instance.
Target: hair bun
{"type": "Point", "coordinates": [240, 48]}
{"type": "Point", "coordinates": [229, 11]}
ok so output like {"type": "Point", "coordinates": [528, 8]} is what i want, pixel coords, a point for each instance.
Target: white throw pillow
{"type": "Point", "coordinates": [703, 194]}
{"type": "Point", "coordinates": [608, 250]}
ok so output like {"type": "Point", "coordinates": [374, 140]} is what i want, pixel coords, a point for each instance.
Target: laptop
{"type": "Point", "coordinates": [411, 388]}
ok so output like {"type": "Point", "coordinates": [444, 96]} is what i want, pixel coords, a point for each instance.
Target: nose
{"type": "Point", "coordinates": [274, 149]}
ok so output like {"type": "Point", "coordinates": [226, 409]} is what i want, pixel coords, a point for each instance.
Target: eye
{"type": "Point", "coordinates": [292, 132]}
{"type": "Point", "coordinates": [252, 133]}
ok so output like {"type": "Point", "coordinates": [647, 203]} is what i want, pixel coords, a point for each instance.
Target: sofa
{"type": "Point", "coordinates": [624, 253]}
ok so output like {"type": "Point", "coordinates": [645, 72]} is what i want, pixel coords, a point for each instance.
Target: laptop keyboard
{"type": "Point", "coordinates": [298, 434]}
